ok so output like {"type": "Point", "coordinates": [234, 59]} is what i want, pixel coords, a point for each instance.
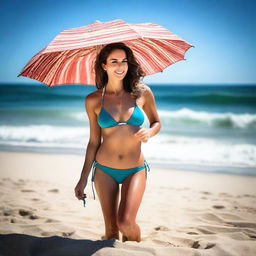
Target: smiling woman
{"type": "Point", "coordinates": [114, 66]}
{"type": "Point", "coordinates": [122, 64]}
{"type": "Point", "coordinates": [117, 159]}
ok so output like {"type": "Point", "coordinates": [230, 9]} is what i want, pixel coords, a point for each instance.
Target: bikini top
{"type": "Point", "coordinates": [105, 120]}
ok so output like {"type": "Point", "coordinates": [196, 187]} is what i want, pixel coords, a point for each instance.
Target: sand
{"type": "Point", "coordinates": [182, 212]}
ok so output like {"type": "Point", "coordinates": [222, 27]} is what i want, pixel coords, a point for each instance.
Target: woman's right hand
{"type": "Point", "coordinates": [79, 189]}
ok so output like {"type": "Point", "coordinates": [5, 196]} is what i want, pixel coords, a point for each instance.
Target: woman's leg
{"type": "Point", "coordinates": [108, 193]}
{"type": "Point", "coordinates": [131, 196]}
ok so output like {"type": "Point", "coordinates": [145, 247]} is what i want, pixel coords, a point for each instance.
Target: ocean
{"type": "Point", "coordinates": [206, 128]}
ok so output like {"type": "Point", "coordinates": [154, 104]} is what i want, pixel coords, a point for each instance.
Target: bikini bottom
{"type": "Point", "coordinates": [119, 175]}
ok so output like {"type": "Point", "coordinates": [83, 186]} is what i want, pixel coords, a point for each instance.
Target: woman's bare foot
{"type": "Point", "coordinates": [124, 238]}
{"type": "Point", "coordinates": [104, 237]}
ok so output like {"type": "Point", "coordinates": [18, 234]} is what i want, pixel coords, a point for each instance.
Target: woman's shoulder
{"type": "Point", "coordinates": [145, 92]}
{"type": "Point", "coordinates": [93, 98]}
{"type": "Point", "coordinates": [145, 89]}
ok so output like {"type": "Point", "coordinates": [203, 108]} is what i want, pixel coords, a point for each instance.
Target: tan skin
{"type": "Point", "coordinates": [121, 148]}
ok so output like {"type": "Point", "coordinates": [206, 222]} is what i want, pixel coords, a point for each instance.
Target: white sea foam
{"type": "Point", "coordinates": [199, 151]}
{"type": "Point", "coordinates": [42, 134]}
{"type": "Point", "coordinates": [186, 115]}
{"type": "Point", "coordinates": [161, 148]}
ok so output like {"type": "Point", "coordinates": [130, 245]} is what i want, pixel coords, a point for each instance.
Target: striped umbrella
{"type": "Point", "coordinates": [70, 56]}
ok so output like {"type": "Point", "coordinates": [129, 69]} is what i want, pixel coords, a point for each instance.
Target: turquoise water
{"type": "Point", "coordinates": [204, 127]}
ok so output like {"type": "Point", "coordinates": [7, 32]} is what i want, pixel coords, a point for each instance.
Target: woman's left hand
{"type": "Point", "coordinates": [142, 134]}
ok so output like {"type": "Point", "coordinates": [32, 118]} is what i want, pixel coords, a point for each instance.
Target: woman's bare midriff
{"type": "Point", "coordinates": [120, 148]}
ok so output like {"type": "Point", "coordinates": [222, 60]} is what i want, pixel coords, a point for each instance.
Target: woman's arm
{"type": "Point", "coordinates": [95, 136]}
{"type": "Point", "coordinates": [149, 108]}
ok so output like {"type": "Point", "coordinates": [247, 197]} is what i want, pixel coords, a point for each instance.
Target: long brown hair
{"type": "Point", "coordinates": [132, 81]}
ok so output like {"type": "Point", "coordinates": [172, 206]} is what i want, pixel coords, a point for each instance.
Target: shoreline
{"type": "Point", "coordinates": [246, 171]}
{"type": "Point", "coordinates": [72, 166]}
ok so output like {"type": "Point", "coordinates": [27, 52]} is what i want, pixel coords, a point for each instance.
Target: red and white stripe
{"type": "Point", "coordinates": [70, 57]}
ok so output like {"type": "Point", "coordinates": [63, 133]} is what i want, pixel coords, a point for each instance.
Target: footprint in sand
{"type": "Point", "coordinates": [218, 206]}
{"type": "Point", "coordinates": [33, 216]}
{"type": "Point", "coordinates": [210, 245]}
{"type": "Point", "coordinates": [30, 214]}
{"type": "Point", "coordinates": [68, 234]}
{"type": "Point", "coordinates": [54, 190]}
{"type": "Point", "coordinates": [202, 245]}
{"type": "Point", "coordinates": [7, 212]}
{"type": "Point", "coordinates": [192, 233]}
{"type": "Point", "coordinates": [35, 199]}
{"type": "Point", "coordinates": [195, 245]}
{"type": "Point", "coordinates": [161, 228]}
{"type": "Point", "coordinates": [51, 221]}
{"type": "Point", "coordinates": [24, 212]}
{"type": "Point", "coordinates": [205, 192]}
{"type": "Point", "coordinates": [27, 190]}
{"type": "Point", "coordinates": [248, 195]}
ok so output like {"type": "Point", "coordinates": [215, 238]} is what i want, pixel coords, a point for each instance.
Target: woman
{"type": "Point", "coordinates": [118, 158]}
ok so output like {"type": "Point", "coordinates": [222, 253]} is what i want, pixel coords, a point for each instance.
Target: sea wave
{"type": "Point", "coordinates": [42, 134]}
{"type": "Point", "coordinates": [163, 148]}
{"type": "Point", "coordinates": [200, 151]}
{"type": "Point", "coordinates": [188, 116]}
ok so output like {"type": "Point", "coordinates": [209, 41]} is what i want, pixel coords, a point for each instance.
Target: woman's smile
{"type": "Point", "coordinates": [119, 73]}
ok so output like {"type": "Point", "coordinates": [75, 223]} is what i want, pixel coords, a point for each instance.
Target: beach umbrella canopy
{"type": "Point", "coordinates": [69, 58]}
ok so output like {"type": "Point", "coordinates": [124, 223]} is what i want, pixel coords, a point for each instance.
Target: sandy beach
{"type": "Point", "coordinates": [182, 212]}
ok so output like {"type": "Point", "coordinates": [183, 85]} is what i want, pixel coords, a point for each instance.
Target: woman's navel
{"type": "Point", "coordinates": [120, 157]}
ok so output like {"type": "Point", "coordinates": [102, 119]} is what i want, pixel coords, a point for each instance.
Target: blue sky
{"type": "Point", "coordinates": [222, 31]}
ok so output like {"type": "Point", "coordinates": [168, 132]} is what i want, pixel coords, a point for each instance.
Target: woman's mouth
{"type": "Point", "coordinates": [119, 73]}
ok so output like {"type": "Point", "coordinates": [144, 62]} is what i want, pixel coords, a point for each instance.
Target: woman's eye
{"type": "Point", "coordinates": [123, 61]}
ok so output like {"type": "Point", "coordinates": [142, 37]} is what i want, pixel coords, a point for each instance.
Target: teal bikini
{"type": "Point", "coordinates": [105, 120]}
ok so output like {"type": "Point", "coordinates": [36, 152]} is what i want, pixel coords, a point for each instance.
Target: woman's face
{"type": "Point", "coordinates": [116, 64]}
